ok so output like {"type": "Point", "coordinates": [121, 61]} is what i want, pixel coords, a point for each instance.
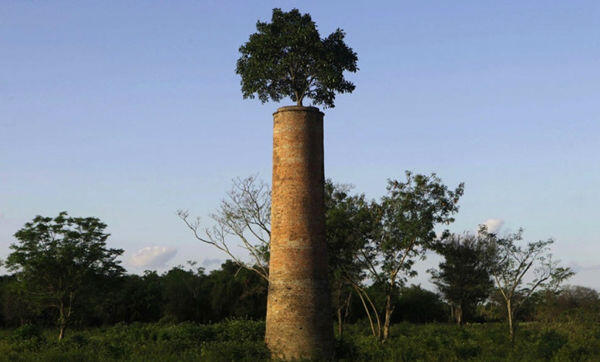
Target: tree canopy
{"type": "Point", "coordinates": [288, 58]}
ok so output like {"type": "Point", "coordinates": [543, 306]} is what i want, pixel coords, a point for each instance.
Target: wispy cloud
{"type": "Point", "coordinates": [153, 256]}
{"type": "Point", "coordinates": [580, 268]}
{"type": "Point", "coordinates": [493, 225]}
{"type": "Point", "coordinates": [209, 262]}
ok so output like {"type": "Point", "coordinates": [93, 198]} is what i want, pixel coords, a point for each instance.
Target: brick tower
{"type": "Point", "coordinates": [299, 321]}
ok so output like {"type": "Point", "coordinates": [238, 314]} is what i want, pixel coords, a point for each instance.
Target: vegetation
{"type": "Point", "coordinates": [186, 313]}
{"type": "Point", "coordinates": [59, 260]}
{"type": "Point", "coordinates": [179, 294]}
{"type": "Point", "coordinates": [288, 58]}
{"type": "Point", "coordinates": [464, 277]}
{"type": "Point", "coordinates": [242, 340]}
{"type": "Point", "coordinates": [519, 272]}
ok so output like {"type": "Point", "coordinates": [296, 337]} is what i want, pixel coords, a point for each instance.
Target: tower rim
{"type": "Point", "coordinates": [298, 109]}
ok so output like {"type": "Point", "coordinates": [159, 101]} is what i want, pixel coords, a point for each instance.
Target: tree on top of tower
{"type": "Point", "coordinates": [288, 58]}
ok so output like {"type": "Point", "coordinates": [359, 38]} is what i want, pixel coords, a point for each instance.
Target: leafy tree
{"type": "Point", "coordinates": [57, 260]}
{"type": "Point", "coordinates": [519, 271]}
{"type": "Point", "coordinates": [288, 58]}
{"type": "Point", "coordinates": [463, 277]}
{"type": "Point", "coordinates": [408, 215]}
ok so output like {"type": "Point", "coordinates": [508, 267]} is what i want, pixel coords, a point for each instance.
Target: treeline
{"type": "Point", "coordinates": [63, 273]}
{"type": "Point", "coordinates": [190, 294]}
{"type": "Point", "coordinates": [180, 294]}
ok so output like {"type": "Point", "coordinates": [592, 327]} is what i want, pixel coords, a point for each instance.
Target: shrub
{"type": "Point", "coordinates": [550, 342]}
{"type": "Point", "coordinates": [27, 332]}
{"type": "Point", "coordinates": [234, 351]}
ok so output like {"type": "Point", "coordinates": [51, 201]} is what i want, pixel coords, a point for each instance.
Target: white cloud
{"type": "Point", "coordinates": [493, 225]}
{"type": "Point", "coordinates": [153, 256]}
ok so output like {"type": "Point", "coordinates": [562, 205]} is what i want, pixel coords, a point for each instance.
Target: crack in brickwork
{"type": "Point", "coordinates": [299, 307]}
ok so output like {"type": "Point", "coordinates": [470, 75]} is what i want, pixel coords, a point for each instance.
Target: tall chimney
{"type": "Point", "coordinates": [299, 321]}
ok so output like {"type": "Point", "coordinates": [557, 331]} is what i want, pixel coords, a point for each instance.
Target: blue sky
{"type": "Point", "coordinates": [131, 110]}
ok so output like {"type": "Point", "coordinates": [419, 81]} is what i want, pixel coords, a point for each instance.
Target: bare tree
{"type": "Point", "coordinates": [243, 217]}
{"type": "Point", "coordinates": [519, 271]}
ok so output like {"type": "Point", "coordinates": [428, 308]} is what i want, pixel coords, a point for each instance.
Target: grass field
{"type": "Point", "coordinates": [239, 340]}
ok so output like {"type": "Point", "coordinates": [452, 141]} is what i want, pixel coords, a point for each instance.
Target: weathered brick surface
{"type": "Point", "coordinates": [298, 309]}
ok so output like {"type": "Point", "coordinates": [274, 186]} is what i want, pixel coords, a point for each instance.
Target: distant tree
{"type": "Point", "coordinates": [186, 296]}
{"type": "Point", "coordinates": [418, 305]}
{"type": "Point", "coordinates": [139, 298]}
{"type": "Point", "coordinates": [288, 58]}
{"type": "Point", "coordinates": [464, 277]}
{"type": "Point", "coordinates": [572, 303]}
{"type": "Point", "coordinates": [408, 215]}
{"type": "Point", "coordinates": [519, 271]}
{"type": "Point", "coordinates": [57, 260]}
{"type": "Point", "coordinates": [575, 296]}
{"type": "Point", "coordinates": [236, 292]}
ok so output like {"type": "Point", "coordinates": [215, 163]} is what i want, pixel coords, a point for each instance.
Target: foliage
{"type": "Point", "coordinates": [463, 277]}
{"type": "Point", "coordinates": [236, 293]}
{"type": "Point", "coordinates": [177, 295]}
{"type": "Point", "coordinates": [572, 304]}
{"type": "Point", "coordinates": [418, 305]}
{"type": "Point", "coordinates": [242, 340]}
{"type": "Point", "coordinates": [288, 58]}
{"type": "Point", "coordinates": [57, 260]}
{"type": "Point", "coordinates": [365, 239]}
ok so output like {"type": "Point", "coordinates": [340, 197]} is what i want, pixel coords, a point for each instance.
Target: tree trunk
{"type": "Point", "coordinates": [340, 322]}
{"type": "Point", "coordinates": [362, 299]}
{"type": "Point", "coordinates": [388, 316]}
{"type": "Point", "coordinates": [459, 315]}
{"type": "Point", "coordinates": [61, 334]}
{"type": "Point", "coordinates": [511, 328]}
{"type": "Point", "coordinates": [62, 322]}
